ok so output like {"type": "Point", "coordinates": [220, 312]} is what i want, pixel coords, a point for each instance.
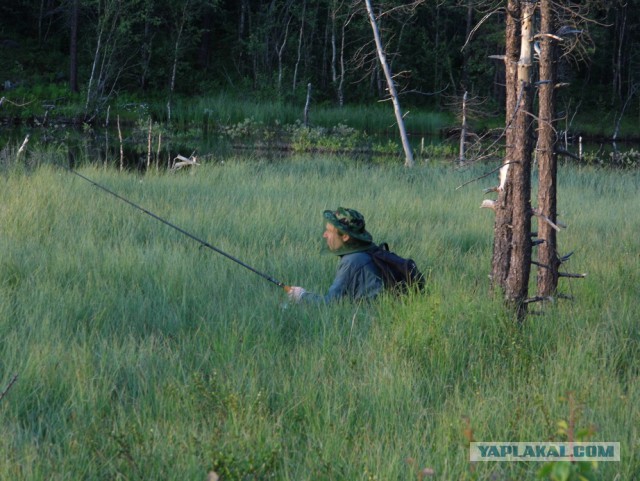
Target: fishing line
{"type": "Point", "coordinates": [179, 229]}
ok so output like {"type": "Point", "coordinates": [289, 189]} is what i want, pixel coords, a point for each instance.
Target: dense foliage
{"type": "Point", "coordinates": [275, 48]}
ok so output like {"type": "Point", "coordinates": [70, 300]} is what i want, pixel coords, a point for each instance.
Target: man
{"type": "Point", "coordinates": [357, 276]}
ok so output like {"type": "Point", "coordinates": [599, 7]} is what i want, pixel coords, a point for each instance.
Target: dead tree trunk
{"type": "Point", "coordinates": [300, 38]}
{"type": "Point", "coordinates": [520, 171]}
{"type": "Point", "coordinates": [409, 162]}
{"type": "Point", "coordinates": [511, 264]}
{"type": "Point", "coordinates": [504, 206]}
{"type": "Point", "coordinates": [548, 259]}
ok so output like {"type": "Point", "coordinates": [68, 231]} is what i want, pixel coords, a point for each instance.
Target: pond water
{"type": "Point", "coordinates": [134, 147]}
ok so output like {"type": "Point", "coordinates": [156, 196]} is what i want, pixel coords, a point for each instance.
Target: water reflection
{"type": "Point", "coordinates": [139, 147]}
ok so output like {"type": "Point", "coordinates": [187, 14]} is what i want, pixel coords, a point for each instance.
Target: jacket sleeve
{"type": "Point", "coordinates": [357, 278]}
{"type": "Point", "coordinates": [337, 290]}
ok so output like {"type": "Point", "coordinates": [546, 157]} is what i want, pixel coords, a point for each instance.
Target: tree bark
{"type": "Point", "coordinates": [520, 172]}
{"type": "Point", "coordinates": [409, 162]}
{"type": "Point", "coordinates": [511, 263]}
{"type": "Point", "coordinates": [547, 278]}
{"type": "Point", "coordinates": [504, 205]}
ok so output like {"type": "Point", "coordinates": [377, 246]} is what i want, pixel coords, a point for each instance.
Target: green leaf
{"type": "Point", "coordinates": [561, 471]}
{"type": "Point", "coordinates": [545, 471]}
{"type": "Point", "coordinates": [563, 427]}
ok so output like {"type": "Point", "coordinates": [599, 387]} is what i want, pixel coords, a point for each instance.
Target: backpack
{"type": "Point", "coordinates": [398, 274]}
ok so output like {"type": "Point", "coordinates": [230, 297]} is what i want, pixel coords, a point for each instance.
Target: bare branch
{"type": "Point", "coordinates": [410, 8]}
{"type": "Point", "coordinates": [575, 276]}
{"type": "Point", "coordinates": [6, 390]}
{"type": "Point", "coordinates": [547, 220]}
{"type": "Point", "coordinates": [478, 25]}
{"type": "Point", "coordinates": [5, 99]}
{"type": "Point", "coordinates": [539, 299]}
{"type": "Point", "coordinates": [567, 153]}
{"type": "Point", "coordinates": [539, 264]}
{"type": "Point", "coordinates": [424, 93]}
{"type": "Point", "coordinates": [488, 173]}
{"type": "Point", "coordinates": [565, 258]}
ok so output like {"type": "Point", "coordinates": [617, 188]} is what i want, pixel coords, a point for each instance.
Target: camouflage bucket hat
{"type": "Point", "coordinates": [350, 222]}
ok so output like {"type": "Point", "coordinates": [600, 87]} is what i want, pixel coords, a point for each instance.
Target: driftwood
{"type": "Point", "coordinates": [184, 161]}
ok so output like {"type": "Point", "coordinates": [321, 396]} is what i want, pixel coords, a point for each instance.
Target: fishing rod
{"type": "Point", "coordinates": [182, 231]}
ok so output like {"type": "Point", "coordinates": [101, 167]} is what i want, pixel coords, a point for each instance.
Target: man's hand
{"type": "Point", "coordinates": [295, 293]}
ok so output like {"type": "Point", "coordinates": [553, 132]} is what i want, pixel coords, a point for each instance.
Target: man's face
{"type": "Point", "coordinates": [334, 240]}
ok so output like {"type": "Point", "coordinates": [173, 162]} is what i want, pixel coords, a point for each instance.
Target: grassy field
{"type": "Point", "coordinates": [140, 355]}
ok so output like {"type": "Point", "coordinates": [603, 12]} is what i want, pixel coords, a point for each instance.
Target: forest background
{"type": "Point", "coordinates": [73, 58]}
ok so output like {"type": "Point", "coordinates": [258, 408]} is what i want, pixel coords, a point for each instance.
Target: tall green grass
{"type": "Point", "coordinates": [140, 355]}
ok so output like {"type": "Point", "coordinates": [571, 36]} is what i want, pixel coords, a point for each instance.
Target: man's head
{"type": "Point", "coordinates": [345, 226]}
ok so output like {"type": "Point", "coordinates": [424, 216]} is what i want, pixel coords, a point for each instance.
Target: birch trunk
{"type": "Point", "coordinates": [300, 38]}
